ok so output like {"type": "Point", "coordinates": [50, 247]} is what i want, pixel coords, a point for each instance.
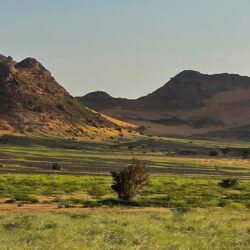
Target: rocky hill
{"type": "Point", "coordinates": [190, 104]}
{"type": "Point", "coordinates": [32, 101]}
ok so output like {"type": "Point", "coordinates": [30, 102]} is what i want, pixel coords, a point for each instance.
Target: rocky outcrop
{"type": "Point", "coordinates": [31, 100]}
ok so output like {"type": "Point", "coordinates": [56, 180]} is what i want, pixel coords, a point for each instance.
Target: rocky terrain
{"type": "Point", "coordinates": [190, 104]}
{"type": "Point", "coordinates": [32, 101]}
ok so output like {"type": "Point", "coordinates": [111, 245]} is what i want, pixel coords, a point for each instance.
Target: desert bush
{"type": "Point", "coordinates": [228, 183]}
{"type": "Point", "coordinates": [213, 153]}
{"type": "Point", "coordinates": [245, 153]}
{"type": "Point", "coordinates": [129, 181]}
{"type": "Point", "coordinates": [225, 151]}
{"type": "Point", "coordinates": [56, 166]}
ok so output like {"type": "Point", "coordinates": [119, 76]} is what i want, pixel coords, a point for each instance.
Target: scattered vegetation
{"type": "Point", "coordinates": [162, 191]}
{"type": "Point", "coordinates": [82, 158]}
{"type": "Point", "coordinates": [187, 211]}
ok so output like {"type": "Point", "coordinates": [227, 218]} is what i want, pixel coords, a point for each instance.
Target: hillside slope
{"type": "Point", "coordinates": [191, 103]}
{"type": "Point", "coordinates": [31, 101]}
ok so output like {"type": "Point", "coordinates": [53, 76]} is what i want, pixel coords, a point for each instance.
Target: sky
{"type": "Point", "coordinates": [127, 48]}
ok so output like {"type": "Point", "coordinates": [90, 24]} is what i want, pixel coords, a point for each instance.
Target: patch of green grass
{"type": "Point", "coordinates": [198, 229]}
{"type": "Point", "coordinates": [162, 191]}
{"type": "Point", "coordinates": [205, 143]}
{"type": "Point", "coordinates": [49, 184]}
{"type": "Point", "coordinates": [24, 197]}
{"type": "Point", "coordinates": [98, 191]}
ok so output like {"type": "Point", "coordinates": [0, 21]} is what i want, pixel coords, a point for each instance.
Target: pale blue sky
{"type": "Point", "coordinates": [127, 48]}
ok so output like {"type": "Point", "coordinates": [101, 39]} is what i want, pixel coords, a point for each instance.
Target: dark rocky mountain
{"type": "Point", "coordinates": [191, 103]}
{"type": "Point", "coordinates": [32, 101]}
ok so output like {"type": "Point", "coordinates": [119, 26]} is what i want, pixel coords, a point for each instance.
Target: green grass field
{"type": "Point", "coordinates": [182, 207]}
{"type": "Point", "coordinates": [180, 193]}
{"type": "Point", "coordinates": [198, 229]}
{"type": "Point", "coordinates": [199, 214]}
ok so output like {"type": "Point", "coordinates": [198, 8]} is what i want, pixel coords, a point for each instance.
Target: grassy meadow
{"type": "Point", "coordinates": [173, 192]}
{"type": "Point", "coordinates": [74, 207]}
{"type": "Point", "coordinates": [198, 229]}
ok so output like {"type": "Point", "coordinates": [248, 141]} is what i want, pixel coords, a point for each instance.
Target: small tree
{"type": "Point", "coordinates": [129, 181]}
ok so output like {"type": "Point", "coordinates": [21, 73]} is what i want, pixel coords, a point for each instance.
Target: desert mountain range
{"type": "Point", "coordinates": [189, 104]}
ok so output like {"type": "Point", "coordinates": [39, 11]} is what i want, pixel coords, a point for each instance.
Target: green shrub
{"type": "Point", "coordinates": [129, 181]}
{"type": "Point", "coordinates": [228, 183]}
